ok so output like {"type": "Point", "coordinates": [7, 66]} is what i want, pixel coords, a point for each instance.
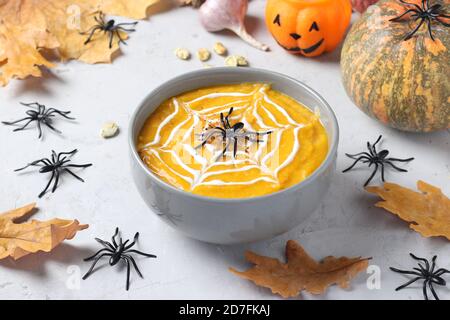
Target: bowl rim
{"type": "Point", "coordinates": [332, 151]}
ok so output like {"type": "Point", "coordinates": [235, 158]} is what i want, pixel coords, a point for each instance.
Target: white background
{"type": "Point", "coordinates": [345, 224]}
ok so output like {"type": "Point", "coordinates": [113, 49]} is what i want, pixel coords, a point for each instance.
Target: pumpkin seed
{"type": "Point", "coordinates": [203, 54]}
{"type": "Point", "coordinates": [236, 61]}
{"type": "Point", "coordinates": [182, 53]}
{"type": "Point", "coordinates": [220, 49]}
{"type": "Point", "coordinates": [109, 130]}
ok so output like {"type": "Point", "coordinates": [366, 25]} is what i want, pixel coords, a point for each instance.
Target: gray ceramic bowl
{"type": "Point", "coordinates": [227, 221]}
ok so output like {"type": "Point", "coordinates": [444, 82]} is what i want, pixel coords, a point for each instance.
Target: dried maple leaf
{"type": "Point", "coordinates": [428, 210]}
{"type": "Point", "coordinates": [29, 27]}
{"type": "Point", "coordinates": [19, 239]}
{"type": "Point", "coordinates": [301, 272]}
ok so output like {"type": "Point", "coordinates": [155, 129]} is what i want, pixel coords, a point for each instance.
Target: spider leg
{"type": "Point", "coordinates": [425, 295]}
{"type": "Point", "coordinates": [382, 171]}
{"type": "Point", "coordinates": [117, 32]}
{"type": "Point", "coordinates": [128, 273]}
{"type": "Point", "coordinates": [407, 283]}
{"type": "Point", "coordinates": [17, 121]}
{"type": "Point", "coordinates": [125, 29]}
{"type": "Point", "coordinates": [55, 185]}
{"type": "Point", "coordinates": [47, 186]}
{"type": "Point", "coordinates": [396, 19]}
{"type": "Point", "coordinates": [111, 38]}
{"type": "Point", "coordinates": [409, 35]}
{"type": "Point", "coordinates": [24, 126]}
{"type": "Point", "coordinates": [224, 151]}
{"type": "Point", "coordinates": [32, 104]}
{"type": "Point", "coordinates": [51, 127]}
{"type": "Point", "coordinates": [429, 28]}
{"type": "Point", "coordinates": [430, 285]}
{"type": "Point", "coordinates": [73, 174]}
{"type": "Point", "coordinates": [127, 24]}
{"type": "Point", "coordinates": [38, 123]}
{"type": "Point", "coordinates": [222, 120]}
{"type": "Point", "coordinates": [354, 163]}
{"type": "Point", "coordinates": [421, 259]}
{"type": "Point", "coordinates": [90, 271]}
{"type": "Point", "coordinates": [61, 113]}
{"type": "Point", "coordinates": [34, 163]}
{"type": "Point", "coordinates": [372, 175]}
{"type": "Point", "coordinates": [133, 262]}
{"type": "Point", "coordinates": [405, 271]}
{"type": "Point", "coordinates": [141, 253]}
{"type": "Point", "coordinates": [441, 271]}
{"type": "Point", "coordinates": [113, 239]}
{"type": "Point", "coordinates": [95, 255]}
{"type": "Point", "coordinates": [401, 160]}
{"type": "Point", "coordinates": [395, 167]}
{"type": "Point", "coordinates": [353, 156]}
{"type": "Point", "coordinates": [94, 30]}
{"type": "Point", "coordinates": [136, 236]}
{"type": "Point", "coordinates": [235, 147]}
{"type": "Point", "coordinates": [106, 244]}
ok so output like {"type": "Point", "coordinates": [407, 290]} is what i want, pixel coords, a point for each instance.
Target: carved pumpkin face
{"type": "Point", "coordinates": [308, 27]}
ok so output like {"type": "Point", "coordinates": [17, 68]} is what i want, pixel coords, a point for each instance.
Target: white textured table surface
{"type": "Point", "coordinates": [345, 224]}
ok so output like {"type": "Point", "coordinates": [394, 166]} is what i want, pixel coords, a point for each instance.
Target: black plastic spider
{"type": "Point", "coordinates": [230, 134]}
{"type": "Point", "coordinates": [425, 13]}
{"type": "Point", "coordinates": [116, 252]}
{"type": "Point", "coordinates": [110, 27]}
{"type": "Point", "coordinates": [41, 115]}
{"type": "Point", "coordinates": [426, 273]}
{"type": "Point", "coordinates": [56, 165]}
{"type": "Point", "coordinates": [376, 158]}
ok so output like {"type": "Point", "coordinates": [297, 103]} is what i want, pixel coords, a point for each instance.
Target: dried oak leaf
{"type": "Point", "coordinates": [19, 239]}
{"type": "Point", "coordinates": [301, 272]}
{"type": "Point", "coordinates": [30, 27]}
{"type": "Point", "coordinates": [427, 210]}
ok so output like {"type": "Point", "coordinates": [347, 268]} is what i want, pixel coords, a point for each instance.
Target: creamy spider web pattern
{"type": "Point", "coordinates": [173, 144]}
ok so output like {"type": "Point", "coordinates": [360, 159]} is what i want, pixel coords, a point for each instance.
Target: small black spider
{"type": "Point", "coordinates": [110, 27]}
{"type": "Point", "coordinates": [230, 134]}
{"type": "Point", "coordinates": [41, 115]}
{"type": "Point", "coordinates": [376, 158]}
{"type": "Point", "coordinates": [426, 273]}
{"type": "Point", "coordinates": [425, 13]}
{"type": "Point", "coordinates": [117, 252]}
{"type": "Point", "coordinates": [56, 165]}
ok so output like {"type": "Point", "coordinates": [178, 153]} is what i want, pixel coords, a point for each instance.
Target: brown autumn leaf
{"type": "Point", "coordinates": [427, 210]}
{"type": "Point", "coordinates": [301, 272]}
{"type": "Point", "coordinates": [28, 28]}
{"type": "Point", "coordinates": [20, 239]}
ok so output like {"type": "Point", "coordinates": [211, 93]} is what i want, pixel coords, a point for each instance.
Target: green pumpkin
{"type": "Point", "coordinates": [404, 83]}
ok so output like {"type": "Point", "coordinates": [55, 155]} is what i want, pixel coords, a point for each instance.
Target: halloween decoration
{"type": "Point", "coordinates": [424, 13]}
{"type": "Point", "coordinates": [377, 158]}
{"type": "Point", "coordinates": [117, 251]}
{"type": "Point", "coordinates": [308, 27]}
{"type": "Point", "coordinates": [403, 84]}
{"type": "Point", "coordinates": [229, 134]}
{"type": "Point", "coordinates": [301, 272]}
{"type": "Point", "coordinates": [29, 28]}
{"type": "Point", "coordinates": [426, 273]}
{"type": "Point", "coordinates": [217, 15]}
{"type": "Point", "coordinates": [41, 115]}
{"type": "Point", "coordinates": [57, 164]}
{"type": "Point", "coordinates": [20, 239]}
{"type": "Point", "coordinates": [109, 27]}
{"type": "Point", "coordinates": [428, 211]}
{"type": "Point", "coordinates": [362, 5]}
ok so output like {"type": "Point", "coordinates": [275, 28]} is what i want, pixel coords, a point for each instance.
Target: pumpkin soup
{"type": "Point", "coordinates": [233, 141]}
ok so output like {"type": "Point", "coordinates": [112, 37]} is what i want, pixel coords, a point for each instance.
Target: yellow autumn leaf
{"type": "Point", "coordinates": [20, 239]}
{"type": "Point", "coordinates": [28, 28]}
{"type": "Point", "coordinates": [428, 211]}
